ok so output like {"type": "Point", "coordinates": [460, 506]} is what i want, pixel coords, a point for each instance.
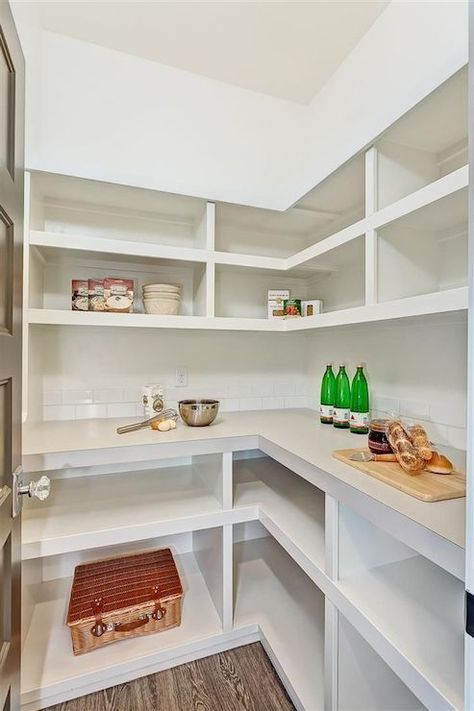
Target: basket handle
{"type": "Point", "coordinates": [100, 627]}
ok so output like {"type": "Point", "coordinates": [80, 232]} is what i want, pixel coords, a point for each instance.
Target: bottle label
{"type": "Point", "coordinates": [359, 419]}
{"type": "Point", "coordinates": [341, 414]}
{"type": "Point", "coordinates": [326, 411]}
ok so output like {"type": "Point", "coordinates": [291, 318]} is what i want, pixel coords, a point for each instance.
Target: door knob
{"type": "Point", "coordinates": [39, 489]}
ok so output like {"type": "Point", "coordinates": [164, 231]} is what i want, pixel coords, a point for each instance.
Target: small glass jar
{"type": "Point", "coordinates": [378, 440]}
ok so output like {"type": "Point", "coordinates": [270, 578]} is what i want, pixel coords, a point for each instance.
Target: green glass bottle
{"type": "Point", "coordinates": [359, 422]}
{"type": "Point", "coordinates": [328, 396]}
{"type": "Point", "coordinates": [342, 404]}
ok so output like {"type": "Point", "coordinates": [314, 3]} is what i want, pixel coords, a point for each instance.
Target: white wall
{"type": "Point", "coordinates": [83, 373]}
{"type": "Point", "coordinates": [102, 114]}
{"type": "Point", "coordinates": [98, 113]}
{"type": "Point", "coordinates": [416, 368]}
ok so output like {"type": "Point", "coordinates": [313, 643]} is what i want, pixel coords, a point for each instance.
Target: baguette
{"type": "Point", "coordinates": [439, 464]}
{"type": "Point", "coordinates": [419, 439]}
{"type": "Point", "coordinates": [407, 455]}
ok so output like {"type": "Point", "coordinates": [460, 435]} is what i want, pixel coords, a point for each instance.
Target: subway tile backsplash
{"type": "Point", "coordinates": [445, 425]}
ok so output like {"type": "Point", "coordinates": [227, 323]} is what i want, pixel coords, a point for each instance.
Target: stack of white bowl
{"type": "Point", "coordinates": [162, 299]}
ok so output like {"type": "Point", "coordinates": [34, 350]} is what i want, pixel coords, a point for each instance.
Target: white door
{"type": "Point", "coordinates": [11, 261]}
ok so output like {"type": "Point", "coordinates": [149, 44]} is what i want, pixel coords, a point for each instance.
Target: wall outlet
{"type": "Point", "coordinates": [181, 377]}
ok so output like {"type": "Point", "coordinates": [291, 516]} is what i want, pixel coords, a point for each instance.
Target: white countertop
{"type": "Point", "coordinates": [298, 432]}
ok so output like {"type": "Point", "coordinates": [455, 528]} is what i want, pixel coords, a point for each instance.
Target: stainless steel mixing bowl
{"type": "Point", "coordinates": [198, 413]}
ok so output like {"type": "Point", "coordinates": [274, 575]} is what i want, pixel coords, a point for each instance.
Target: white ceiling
{"type": "Point", "coordinates": [283, 49]}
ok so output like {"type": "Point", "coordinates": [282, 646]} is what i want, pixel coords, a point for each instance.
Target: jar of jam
{"type": "Point", "coordinates": [378, 441]}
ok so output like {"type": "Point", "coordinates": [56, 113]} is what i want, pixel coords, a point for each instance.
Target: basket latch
{"type": "Point", "coordinates": [100, 627]}
{"type": "Point", "coordinates": [97, 608]}
{"type": "Point", "coordinates": [159, 611]}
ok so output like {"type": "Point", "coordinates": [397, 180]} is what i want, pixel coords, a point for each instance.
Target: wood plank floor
{"type": "Point", "coordinates": [241, 679]}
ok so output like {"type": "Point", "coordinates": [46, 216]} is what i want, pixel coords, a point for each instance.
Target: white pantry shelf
{"type": "Point", "coordinates": [62, 317]}
{"type": "Point", "coordinates": [421, 305]}
{"type": "Point", "coordinates": [50, 669]}
{"type": "Point", "coordinates": [104, 246]}
{"type": "Point", "coordinates": [129, 506]}
{"type": "Point", "coordinates": [290, 507]}
{"type": "Point", "coordinates": [74, 246]}
{"type": "Point", "coordinates": [419, 608]}
{"type": "Point", "coordinates": [273, 592]}
{"type": "Point", "coordinates": [439, 302]}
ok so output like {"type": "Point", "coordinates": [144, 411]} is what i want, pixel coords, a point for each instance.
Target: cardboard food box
{"type": "Point", "coordinates": [96, 295]}
{"type": "Point", "coordinates": [118, 295]}
{"type": "Point", "coordinates": [79, 295]}
{"type": "Point", "coordinates": [292, 308]}
{"type": "Point", "coordinates": [276, 299]}
{"type": "Point", "coordinates": [311, 308]}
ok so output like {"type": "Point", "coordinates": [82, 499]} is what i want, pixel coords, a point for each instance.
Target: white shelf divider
{"type": "Point", "coordinates": [371, 194]}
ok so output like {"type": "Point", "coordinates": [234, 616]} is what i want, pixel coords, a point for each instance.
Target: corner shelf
{"type": "Point", "coordinates": [295, 509]}
{"type": "Point", "coordinates": [273, 592]}
{"type": "Point", "coordinates": [313, 272]}
{"type": "Point", "coordinates": [436, 303]}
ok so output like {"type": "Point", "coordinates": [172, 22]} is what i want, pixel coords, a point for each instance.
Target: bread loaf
{"type": "Point", "coordinates": [420, 441]}
{"type": "Point", "coordinates": [439, 464]}
{"type": "Point", "coordinates": [407, 455]}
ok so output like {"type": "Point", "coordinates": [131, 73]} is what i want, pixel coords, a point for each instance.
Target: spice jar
{"type": "Point", "coordinates": [378, 440]}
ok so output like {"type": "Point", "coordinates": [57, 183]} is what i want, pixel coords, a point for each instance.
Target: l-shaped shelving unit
{"type": "Point", "coordinates": [275, 540]}
{"type": "Point", "coordinates": [354, 589]}
{"type": "Point", "coordinates": [399, 207]}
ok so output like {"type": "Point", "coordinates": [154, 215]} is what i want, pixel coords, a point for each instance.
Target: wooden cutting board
{"type": "Point", "coordinates": [425, 486]}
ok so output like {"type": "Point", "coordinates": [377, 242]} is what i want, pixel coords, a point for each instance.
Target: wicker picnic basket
{"type": "Point", "coordinates": [123, 597]}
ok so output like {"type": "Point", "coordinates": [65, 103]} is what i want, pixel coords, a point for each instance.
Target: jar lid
{"type": "Point", "coordinates": [378, 425]}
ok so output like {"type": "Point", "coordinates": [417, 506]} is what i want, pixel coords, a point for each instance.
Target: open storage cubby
{"type": "Point", "coordinates": [364, 681]}
{"type": "Point", "coordinates": [338, 201]}
{"type": "Point", "coordinates": [337, 277]}
{"type": "Point", "coordinates": [272, 591]}
{"type": "Point", "coordinates": [416, 604]}
{"type": "Point", "coordinates": [294, 505]}
{"type": "Point", "coordinates": [51, 672]}
{"type": "Point", "coordinates": [77, 208]}
{"type": "Point", "coordinates": [51, 271]}
{"type": "Point", "coordinates": [243, 293]}
{"type": "Point", "coordinates": [129, 504]}
{"type": "Point", "coordinates": [335, 203]}
{"type": "Point", "coordinates": [427, 143]}
{"type": "Point", "coordinates": [425, 251]}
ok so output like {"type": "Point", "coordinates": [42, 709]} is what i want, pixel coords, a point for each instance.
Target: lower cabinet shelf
{"type": "Point", "coordinates": [364, 681]}
{"type": "Point", "coordinates": [416, 605]}
{"type": "Point", "coordinates": [107, 509]}
{"type": "Point", "coordinates": [293, 505]}
{"type": "Point", "coordinates": [50, 671]}
{"type": "Point", "coordinates": [273, 592]}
